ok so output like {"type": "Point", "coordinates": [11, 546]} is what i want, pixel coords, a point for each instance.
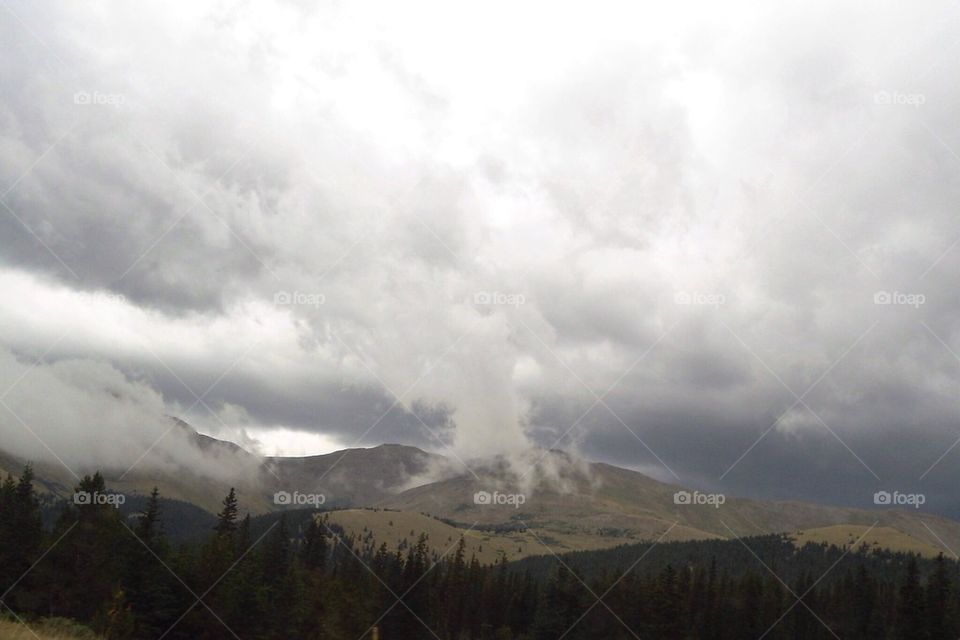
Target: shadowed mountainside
{"type": "Point", "coordinates": [573, 503]}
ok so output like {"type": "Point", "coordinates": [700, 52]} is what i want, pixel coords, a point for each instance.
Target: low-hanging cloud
{"type": "Point", "coordinates": [641, 233]}
{"type": "Point", "coordinates": [85, 416]}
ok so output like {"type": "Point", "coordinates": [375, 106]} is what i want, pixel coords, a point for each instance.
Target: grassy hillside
{"type": "Point", "coordinates": [401, 528]}
{"type": "Point", "coordinates": [352, 477]}
{"type": "Point", "coordinates": [888, 538]}
{"type": "Point", "coordinates": [56, 629]}
{"type": "Point", "coordinates": [355, 477]}
{"type": "Point", "coordinates": [176, 482]}
{"type": "Point", "coordinates": [597, 501]}
{"type": "Point", "coordinates": [568, 503]}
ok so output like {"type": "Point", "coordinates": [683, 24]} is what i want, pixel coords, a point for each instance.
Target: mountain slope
{"type": "Point", "coordinates": [569, 503]}
{"type": "Point", "coordinates": [607, 501]}
{"type": "Point", "coordinates": [352, 477]}
{"type": "Point", "coordinates": [356, 477]}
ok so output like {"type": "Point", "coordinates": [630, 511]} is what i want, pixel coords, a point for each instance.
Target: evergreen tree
{"type": "Point", "coordinates": [864, 598]}
{"type": "Point", "coordinates": [227, 518]}
{"type": "Point", "coordinates": [84, 567]}
{"type": "Point", "coordinates": [910, 614]}
{"type": "Point", "coordinates": [298, 584]}
{"type": "Point", "coordinates": [278, 588]}
{"type": "Point", "coordinates": [559, 608]}
{"type": "Point", "coordinates": [148, 525]}
{"type": "Point", "coordinates": [21, 532]}
{"type": "Point", "coordinates": [216, 574]}
{"type": "Point", "coordinates": [149, 597]}
{"type": "Point", "coordinates": [939, 605]}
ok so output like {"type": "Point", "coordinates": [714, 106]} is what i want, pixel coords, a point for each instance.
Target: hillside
{"type": "Point", "coordinates": [601, 501]}
{"type": "Point", "coordinates": [54, 629]}
{"type": "Point", "coordinates": [355, 477]}
{"type": "Point", "coordinates": [352, 477]}
{"type": "Point", "coordinates": [853, 536]}
{"type": "Point", "coordinates": [568, 504]}
{"type": "Point", "coordinates": [399, 529]}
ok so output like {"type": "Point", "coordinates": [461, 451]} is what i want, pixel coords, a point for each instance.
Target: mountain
{"type": "Point", "coordinates": [607, 503]}
{"type": "Point", "coordinates": [564, 504]}
{"type": "Point", "coordinates": [356, 477]}
{"type": "Point", "coordinates": [345, 478]}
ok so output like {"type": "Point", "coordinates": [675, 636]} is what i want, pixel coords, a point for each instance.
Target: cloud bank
{"type": "Point", "coordinates": [717, 245]}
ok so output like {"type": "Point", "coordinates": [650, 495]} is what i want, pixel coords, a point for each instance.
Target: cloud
{"type": "Point", "coordinates": [376, 231]}
{"type": "Point", "coordinates": [85, 415]}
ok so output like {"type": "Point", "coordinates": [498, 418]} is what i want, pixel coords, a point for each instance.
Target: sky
{"type": "Point", "coordinates": [715, 244]}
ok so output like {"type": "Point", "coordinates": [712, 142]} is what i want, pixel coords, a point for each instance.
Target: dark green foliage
{"type": "Point", "coordinates": [298, 576]}
{"type": "Point", "coordinates": [84, 567]}
{"type": "Point", "coordinates": [20, 539]}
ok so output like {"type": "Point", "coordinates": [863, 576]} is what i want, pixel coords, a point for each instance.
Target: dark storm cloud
{"type": "Point", "coordinates": [694, 217]}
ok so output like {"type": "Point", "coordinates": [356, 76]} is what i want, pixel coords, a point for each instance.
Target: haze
{"type": "Point", "coordinates": [714, 244]}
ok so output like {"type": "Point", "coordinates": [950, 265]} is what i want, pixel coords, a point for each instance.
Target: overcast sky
{"type": "Point", "coordinates": [716, 244]}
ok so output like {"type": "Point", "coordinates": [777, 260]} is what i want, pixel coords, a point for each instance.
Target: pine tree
{"type": "Point", "coordinates": [666, 604]}
{"type": "Point", "coordinates": [148, 525]}
{"type": "Point", "coordinates": [939, 602]}
{"type": "Point", "coordinates": [559, 608]}
{"type": "Point", "coordinates": [910, 614]}
{"type": "Point", "coordinates": [453, 597]}
{"type": "Point", "coordinates": [313, 561]}
{"type": "Point", "coordinates": [864, 594]}
{"type": "Point", "coordinates": [84, 567]}
{"type": "Point", "coordinates": [415, 602]}
{"type": "Point", "coordinates": [21, 532]}
{"type": "Point", "coordinates": [150, 589]}
{"type": "Point", "coordinates": [277, 589]}
{"type": "Point", "coordinates": [8, 546]}
{"type": "Point", "coordinates": [217, 573]}
{"type": "Point", "coordinates": [227, 518]}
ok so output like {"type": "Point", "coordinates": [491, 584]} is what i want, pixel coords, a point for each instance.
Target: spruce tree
{"type": "Point", "coordinates": [21, 533]}
{"type": "Point", "coordinates": [84, 568]}
{"type": "Point", "coordinates": [939, 602]}
{"type": "Point", "coordinates": [227, 518]}
{"type": "Point", "coordinates": [910, 613]}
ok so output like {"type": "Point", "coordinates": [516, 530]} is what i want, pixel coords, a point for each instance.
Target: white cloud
{"type": "Point", "coordinates": [596, 160]}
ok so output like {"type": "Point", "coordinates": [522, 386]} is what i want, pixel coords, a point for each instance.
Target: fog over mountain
{"type": "Point", "coordinates": [718, 245]}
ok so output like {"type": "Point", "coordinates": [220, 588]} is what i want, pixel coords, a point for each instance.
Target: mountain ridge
{"type": "Point", "coordinates": [564, 497]}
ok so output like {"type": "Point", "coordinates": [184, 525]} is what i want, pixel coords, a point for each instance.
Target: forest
{"type": "Point", "coordinates": [282, 576]}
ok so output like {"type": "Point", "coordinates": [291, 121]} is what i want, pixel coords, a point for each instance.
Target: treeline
{"type": "Point", "coordinates": [289, 579]}
{"type": "Point", "coordinates": [734, 559]}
